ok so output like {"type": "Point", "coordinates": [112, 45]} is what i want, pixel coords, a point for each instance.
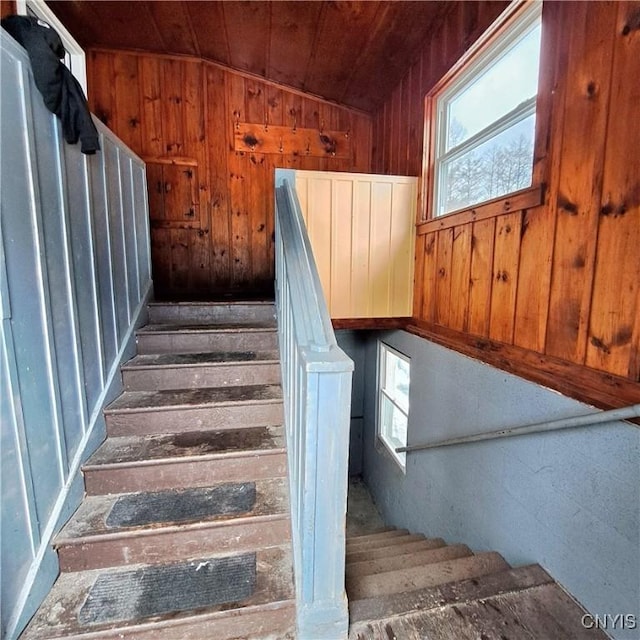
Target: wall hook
{"type": "Point", "coordinates": [281, 148]}
{"type": "Point", "coordinates": [322, 126]}
{"type": "Point", "coordinates": [347, 134]}
{"type": "Point", "coordinates": [266, 121]}
{"type": "Point", "coordinates": [236, 115]}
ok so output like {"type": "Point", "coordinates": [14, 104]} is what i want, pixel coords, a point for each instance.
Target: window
{"type": "Point", "coordinates": [393, 400]}
{"type": "Point", "coordinates": [483, 118]}
{"type": "Point", "coordinates": [75, 58]}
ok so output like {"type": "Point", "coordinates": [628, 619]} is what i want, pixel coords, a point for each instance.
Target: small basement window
{"type": "Point", "coordinates": [393, 400]}
{"type": "Point", "coordinates": [483, 117]}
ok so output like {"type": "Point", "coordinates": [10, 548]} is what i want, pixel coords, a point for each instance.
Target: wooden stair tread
{"type": "Point", "coordinates": [394, 604]}
{"type": "Point", "coordinates": [394, 550]}
{"type": "Point", "coordinates": [407, 560]}
{"type": "Point", "coordinates": [425, 576]}
{"type": "Point", "coordinates": [273, 597]}
{"type": "Point", "coordinates": [89, 520]}
{"type": "Point", "coordinates": [379, 543]}
{"type": "Point", "coordinates": [212, 327]}
{"type": "Point", "coordinates": [537, 612]}
{"type": "Point", "coordinates": [134, 401]}
{"type": "Point", "coordinates": [352, 541]}
{"type": "Point", "coordinates": [121, 451]}
{"type": "Point", "coordinates": [206, 359]}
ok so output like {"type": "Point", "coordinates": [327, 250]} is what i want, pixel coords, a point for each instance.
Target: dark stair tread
{"type": "Point", "coordinates": [131, 450]}
{"type": "Point", "coordinates": [395, 604]}
{"type": "Point", "coordinates": [90, 519]}
{"type": "Point", "coordinates": [192, 398]}
{"type": "Point", "coordinates": [352, 537]}
{"type": "Point", "coordinates": [204, 359]}
{"type": "Point", "coordinates": [425, 576]}
{"type": "Point", "coordinates": [538, 612]}
{"type": "Point", "coordinates": [58, 615]}
{"type": "Point", "coordinates": [212, 327]}
{"type": "Point", "coordinates": [394, 550]}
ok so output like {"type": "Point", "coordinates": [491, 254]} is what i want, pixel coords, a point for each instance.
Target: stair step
{"type": "Point", "coordinates": [362, 611]}
{"type": "Point", "coordinates": [192, 459]}
{"type": "Point", "coordinates": [537, 612]}
{"type": "Point", "coordinates": [170, 338]}
{"type": "Point", "coordinates": [211, 312]}
{"type": "Point", "coordinates": [196, 370]}
{"type": "Point", "coordinates": [407, 560]}
{"type": "Point", "coordinates": [179, 410]}
{"type": "Point", "coordinates": [399, 549]}
{"type": "Point", "coordinates": [379, 543]}
{"type": "Point", "coordinates": [353, 537]}
{"type": "Point", "coordinates": [430, 575]}
{"type": "Point", "coordinates": [268, 611]}
{"type": "Point", "coordinates": [94, 538]}
{"type": "Point", "coordinates": [353, 541]}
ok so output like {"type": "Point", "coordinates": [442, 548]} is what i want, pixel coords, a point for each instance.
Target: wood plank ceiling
{"type": "Point", "coordinates": [352, 53]}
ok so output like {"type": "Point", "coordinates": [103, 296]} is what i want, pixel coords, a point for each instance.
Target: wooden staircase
{"type": "Point", "coordinates": [184, 532]}
{"type": "Point", "coordinates": [408, 587]}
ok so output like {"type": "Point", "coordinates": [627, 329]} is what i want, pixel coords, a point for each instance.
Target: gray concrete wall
{"type": "Point", "coordinates": [568, 500]}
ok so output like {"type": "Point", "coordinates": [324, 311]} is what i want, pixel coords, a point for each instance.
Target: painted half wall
{"type": "Point", "coordinates": [567, 500]}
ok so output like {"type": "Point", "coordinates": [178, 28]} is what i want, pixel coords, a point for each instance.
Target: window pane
{"type": "Point", "coordinates": [501, 165]}
{"type": "Point", "coordinates": [393, 424]}
{"type": "Point", "coordinates": [396, 382]}
{"type": "Point", "coordinates": [507, 83]}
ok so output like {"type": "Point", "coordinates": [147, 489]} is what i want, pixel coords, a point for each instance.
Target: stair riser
{"type": "Point", "coordinates": [198, 377]}
{"type": "Point", "coordinates": [181, 544]}
{"type": "Point", "coordinates": [179, 475]}
{"type": "Point", "coordinates": [204, 314]}
{"type": "Point", "coordinates": [206, 342]}
{"type": "Point", "coordinates": [182, 420]}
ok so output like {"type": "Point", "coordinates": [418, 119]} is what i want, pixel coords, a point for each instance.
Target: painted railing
{"type": "Point", "coordinates": [316, 378]}
{"type": "Point", "coordinates": [75, 278]}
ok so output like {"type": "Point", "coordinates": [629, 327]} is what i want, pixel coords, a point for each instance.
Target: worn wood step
{"type": "Point", "coordinates": [365, 610]}
{"type": "Point", "coordinates": [179, 410]}
{"type": "Point", "coordinates": [352, 537]}
{"type": "Point", "coordinates": [423, 544]}
{"type": "Point", "coordinates": [379, 543]}
{"type": "Point", "coordinates": [353, 541]}
{"type": "Point", "coordinates": [430, 575]}
{"type": "Point", "coordinates": [538, 612]}
{"type": "Point", "coordinates": [211, 312]}
{"type": "Point", "coordinates": [191, 459]}
{"type": "Point", "coordinates": [196, 370]}
{"type": "Point", "coordinates": [170, 338]}
{"type": "Point", "coordinates": [407, 560]}
{"type": "Point", "coordinates": [268, 612]}
{"type": "Point", "coordinates": [89, 541]}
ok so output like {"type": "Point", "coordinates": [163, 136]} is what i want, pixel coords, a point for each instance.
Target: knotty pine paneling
{"type": "Point", "coordinates": [553, 287]}
{"type": "Point", "coordinates": [185, 110]}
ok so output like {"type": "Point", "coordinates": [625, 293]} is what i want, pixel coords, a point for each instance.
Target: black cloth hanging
{"type": "Point", "coordinates": [61, 92]}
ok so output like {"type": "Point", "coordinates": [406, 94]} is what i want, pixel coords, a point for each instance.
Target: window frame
{"type": "Point", "coordinates": [381, 395]}
{"type": "Point", "coordinates": [477, 55]}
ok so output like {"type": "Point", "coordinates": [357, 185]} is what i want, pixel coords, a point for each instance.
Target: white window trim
{"type": "Point", "coordinates": [474, 66]}
{"type": "Point", "coordinates": [75, 51]}
{"type": "Point", "coordinates": [399, 458]}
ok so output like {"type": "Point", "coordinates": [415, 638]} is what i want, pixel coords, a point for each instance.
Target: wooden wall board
{"type": "Point", "coordinates": [185, 109]}
{"type": "Point", "coordinates": [553, 271]}
{"type": "Point", "coordinates": [578, 195]}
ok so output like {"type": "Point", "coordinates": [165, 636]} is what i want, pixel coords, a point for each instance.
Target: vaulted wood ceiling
{"type": "Point", "coordinates": [352, 53]}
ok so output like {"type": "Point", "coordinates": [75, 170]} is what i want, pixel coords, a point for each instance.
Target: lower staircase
{"type": "Point", "coordinates": [408, 587]}
{"type": "Point", "coordinates": [184, 531]}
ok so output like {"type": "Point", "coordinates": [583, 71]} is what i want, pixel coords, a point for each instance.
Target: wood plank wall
{"type": "Point", "coordinates": [550, 291]}
{"type": "Point", "coordinates": [185, 110]}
